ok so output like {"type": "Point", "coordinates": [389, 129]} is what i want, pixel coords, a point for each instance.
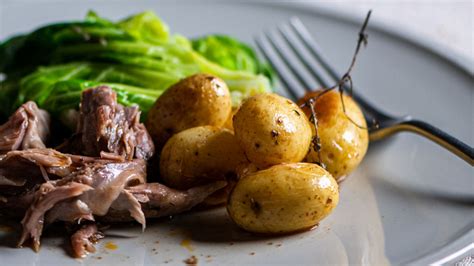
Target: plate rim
{"type": "Point", "coordinates": [444, 52]}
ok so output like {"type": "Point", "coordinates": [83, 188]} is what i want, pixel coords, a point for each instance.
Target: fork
{"type": "Point", "coordinates": [306, 52]}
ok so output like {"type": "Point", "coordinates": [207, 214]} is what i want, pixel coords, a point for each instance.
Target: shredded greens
{"type": "Point", "coordinates": [137, 57]}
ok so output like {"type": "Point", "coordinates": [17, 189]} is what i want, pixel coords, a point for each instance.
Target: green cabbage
{"type": "Point", "coordinates": [137, 57]}
{"type": "Point", "coordinates": [231, 54]}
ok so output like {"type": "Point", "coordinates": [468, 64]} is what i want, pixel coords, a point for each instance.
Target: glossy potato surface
{"type": "Point", "coordinates": [343, 143]}
{"type": "Point", "coordinates": [284, 198]}
{"type": "Point", "coordinates": [272, 129]}
{"type": "Point", "coordinates": [197, 100]}
{"type": "Point", "coordinates": [199, 155]}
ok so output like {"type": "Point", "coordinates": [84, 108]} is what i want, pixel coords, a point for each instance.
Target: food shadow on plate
{"type": "Point", "coordinates": [424, 194]}
{"type": "Point", "coordinates": [411, 187]}
{"type": "Point", "coordinates": [213, 226]}
{"type": "Point", "coordinates": [208, 225]}
{"type": "Point", "coordinates": [9, 233]}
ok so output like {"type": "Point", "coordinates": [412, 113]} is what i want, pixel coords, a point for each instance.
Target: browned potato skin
{"type": "Point", "coordinates": [272, 129]}
{"type": "Point", "coordinates": [200, 155]}
{"type": "Point", "coordinates": [197, 100]}
{"type": "Point", "coordinates": [284, 198]}
{"type": "Point", "coordinates": [343, 144]}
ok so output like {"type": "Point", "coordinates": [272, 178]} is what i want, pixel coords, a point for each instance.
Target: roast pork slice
{"type": "Point", "coordinates": [106, 126]}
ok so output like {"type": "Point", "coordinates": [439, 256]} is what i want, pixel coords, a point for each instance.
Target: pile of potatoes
{"type": "Point", "coordinates": [264, 149]}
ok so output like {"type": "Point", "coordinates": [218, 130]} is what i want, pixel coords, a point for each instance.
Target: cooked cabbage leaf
{"type": "Point", "coordinates": [231, 54]}
{"type": "Point", "coordinates": [137, 57]}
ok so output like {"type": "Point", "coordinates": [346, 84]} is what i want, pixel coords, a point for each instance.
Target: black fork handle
{"type": "Point", "coordinates": [426, 130]}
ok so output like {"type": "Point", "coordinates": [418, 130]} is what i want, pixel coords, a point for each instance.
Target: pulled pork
{"type": "Point", "coordinates": [27, 128]}
{"type": "Point", "coordinates": [108, 127]}
{"type": "Point", "coordinates": [101, 177]}
{"type": "Point", "coordinates": [83, 240]}
{"type": "Point", "coordinates": [86, 189]}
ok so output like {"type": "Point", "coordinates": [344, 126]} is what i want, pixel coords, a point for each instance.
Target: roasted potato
{"type": "Point", "coordinates": [343, 143]}
{"type": "Point", "coordinates": [198, 100]}
{"type": "Point", "coordinates": [283, 198]}
{"type": "Point", "coordinates": [199, 155]}
{"type": "Point", "coordinates": [272, 130]}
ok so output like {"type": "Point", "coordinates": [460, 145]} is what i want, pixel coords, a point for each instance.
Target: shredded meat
{"type": "Point", "coordinates": [83, 240]}
{"type": "Point", "coordinates": [130, 207]}
{"type": "Point", "coordinates": [158, 200]}
{"type": "Point", "coordinates": [20, 171]}
{"type": "Point", "coordinates": [107, 180]}
{"type": "Point", "coordinates": [161, 200]}
{"type": "Point", "coordinates": [86, 188]}
{"type": "Point", "coordinates": [101, 177]}
{"type": "Point", "coordinates": [27, 128]}
{"type": "Point", "coordinates": [106, 126]}
{"type": "Point", "coordinates": [90, 190]}
{"type": "Point", "coordinates": [46, 197]}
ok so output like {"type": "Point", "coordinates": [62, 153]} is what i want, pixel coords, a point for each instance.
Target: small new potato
{"type": "Point", "coordinates": [200, 155]}
{"type": "Point", "coordinates": [343, 143]}
{"type": "Point", "coordinates": [284, 198]}
{"type": "Point", "coordinates": [197, 100]}
{"type": "Point", "coordinates": [272, 129]}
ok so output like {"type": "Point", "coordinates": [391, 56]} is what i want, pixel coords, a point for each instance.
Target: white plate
{"type": "Point", "coordinates": [409, 202]}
